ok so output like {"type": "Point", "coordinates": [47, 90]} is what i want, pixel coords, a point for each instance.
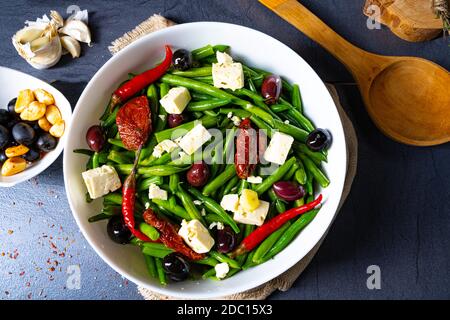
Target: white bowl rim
{"type": "Point", "coordinates": [224, 291]}
{"type": "Point", "coordinates": [51, 156]}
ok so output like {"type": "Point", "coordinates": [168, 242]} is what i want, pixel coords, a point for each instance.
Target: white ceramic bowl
{"type": "Point", "coordinates": [11, 82]}
{"type": "Point", "coordinates": [256, 49]}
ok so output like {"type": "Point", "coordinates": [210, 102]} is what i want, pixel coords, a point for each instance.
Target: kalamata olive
{"type": "Point", "coordinates": [23, 133]}
{"type": "Point", "coordinates": [5, 116]}
{"type": "Point", "coordinates": [5, 137]}
{"type": "Point", "coordinates": [3, 157]}
{"type": "Point", "coordinates": [271, 88]}
{"type": "Point", "coordinates": [12, 106]}
{"type": "Point", "coordinates": [117, 230]}
{"type": "Point", "coordinates": [182, 59]}
{"type": "Point", "coordinates": [176, 266]}
{"type": "Point", "coordinates": [288, 190]}
{"type": "Point", "coordinates": [198, 174]}
{"type": "Point", "coordinates": [46, 142]}
{"type": "Point", "coordinates": [95, 138]}
{"type": "Point", "coordinates": [318, 140]}
{"type": "Point", "coordinates": [174, 120]}
{"type": "Point", "coordinates": [32, 155]}
{"type": "Point", "coordinates": [226, 239]}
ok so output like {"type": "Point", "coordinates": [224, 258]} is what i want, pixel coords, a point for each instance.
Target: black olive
{"type": "Point", "coordinates": [117, 230]}
{"type": "Point", "coordinates": [3, 157]}
{"type": "Point", "coordinates": [5, 116]}
{"type": "Point", "coordinates": [5, 137]}
{"type": "Point", "coordinates": [182, 59]}
{"type": "Point", "coordinates": [226, 239]}
{"type": "Point", "coordinates": [23, 133]}
{"type": "Point", "coordinates": [46, 142]}
{"type": "Point", "coordinates": [318, 140]}
{"type": "Point", "coordinates": [32, 155]}
{"type": "Point", "coordinates": [12, 105]}
{"type": "Point", "coordinates": [176, 267]}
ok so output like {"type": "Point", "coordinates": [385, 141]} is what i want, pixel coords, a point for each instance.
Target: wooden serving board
{"type": "Point", "coordinates": [411, 20]}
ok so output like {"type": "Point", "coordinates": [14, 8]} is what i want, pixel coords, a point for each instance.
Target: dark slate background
{"type": "Point", "coordinates": [397, 215]}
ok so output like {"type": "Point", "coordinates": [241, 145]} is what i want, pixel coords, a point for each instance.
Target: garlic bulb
{"type": "Point", "coordinates": [42, 42]}
{"type": "Point", "coordinates": [77, 30]}
{"type": "Point", "coordinates": [71, 45]}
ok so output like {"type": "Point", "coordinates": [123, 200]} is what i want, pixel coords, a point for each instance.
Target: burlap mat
{"type": "Point", "coordinates": [284, 281]}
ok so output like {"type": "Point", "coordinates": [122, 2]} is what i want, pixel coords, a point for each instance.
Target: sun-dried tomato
{"type": "Point", "coordinates": [246, 156]}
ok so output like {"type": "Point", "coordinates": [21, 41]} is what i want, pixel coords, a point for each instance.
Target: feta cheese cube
{"type": "Point", "coordinates": [230, 202]}
{"type": "Point", "coordinates": [155, 192]}
{"type": "Point", "coordinates": [176, 100]}
{"type": "Point", "coordinates": [164, 146]}
{"type": "Point", "coordinates": [254, 180]}
{"type": "Point", "coordinates": [255, 217]}
{"type": "Point", "coordinates": [194, 139]}
{"type": "Point", "coordinates": [222, 270]}
{"type": "Point", "coordinates": [226, 73]}
{"type": "Point", "coordinates": [278, 148]}
{"type": "Point", "coordinates": [101, 181]}
{"type": "Point", "coordinates": [196, 236]}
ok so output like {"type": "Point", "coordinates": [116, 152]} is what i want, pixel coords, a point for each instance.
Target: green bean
{"type": "Point", "coordinates": [207, 104]}
{"type": "Point", "coordinates": [214, 207]}
{"type": "Point", "coordinates": [221, 47]}
{"type": "Point", "coordinates": [203, 52]}
{"type": "Point", "coordinates": [119, 157]}
{"type": "Point", "coordinates": [279, 204]}
{"type": "Point", "coordinates": [152, 95]}
{"type": "Point", "coordinates": [224, 258]}
{"type": "Point", "coordinates": [189, 205]}
{"type": "Point", "coordinates": [320, 177]}
{"type": "Point", "coordinates": [309, 183]}
{"type": "Point", "coordinates": [297, 115]}
{"type": "Point", "coordinates": [300, 174]}
{"type": "Point", "coordinates": [145, 183]}
{"type": "Point", "coordinates": [230, 185]}
{"type": "Point", "coordinates": [296, 98]}
{"type": "Point", "coordinates": [209, 261]}
{"type": "Point", "coordinates": [213, 185]}
{"type": "Point", "coordinates": [205, 79]}
{"type": "Point", "coordinates": [243, 184]}
{"type": "Point", "coordinates": [297, 133]}
{"type": "Point", "coordinates": [251, 85]}
{"type": "Point", "coordinates": [228, 154]}
{"type": "Point", "coordinates": [249, 261]}
{"type": "Point", "coordinates": [211, 272]}
{"type": "Point", "coordinates": [199, 96]}
{"type": "Point", "coordinates": [116, 142]}
{"type": "Point", "coordinates": [111, 119]}
{"type": "Point", "coordinates": [175, 209]}
{"type": "Point", "coordinates": [176, 132]}
{"type": "Point", "coordinates": [275, 176]}
{"type": "Point", "coordinates": [174, 181]}
{"type": "Point", "coordinates": [268, 243]}
{"type": "Point", "coordinates": [194, 72]}
{"type": "Point", "coordinates": [279, 107]}
{"type": "Point", "coordinates": [99, 217]}
{"type": "Point", "coordinates": [216, 92]}
{"type": "Point", "coordinates": [149, 231]}
{"type": "Point", "coordinates": [161, 273]}
{"type": "Point", "coordinates": [84, 151]}
{"type": "Point", "coordinates": [286, 85]}
{"type": "Point", "coordinates": [291, 172]}
{"type": "Point", "coordinates": [247, 230]}
{"type": "Point", "coordinates": [151, 266]}
{"type": "Point", "coordinates": [95, 162]}
{"type": "Point", "coordinates": [230, 273]}
{"type": "Point", "coordinates": [161, 170]}
{"type": "Point", "coordinates": [317, 157]}
{"type": "Point", "coordinates": [299, 202]}
{"type": "Point", "coordinates": [290, 234]}
{"type": "Point", "coordinates": [157, 253]}
{"type": "Point", "coordinates": [262, 125]}
{"type": "Point", "coordinates": [237, 112]}
{"type": "Point", "coordinates": [212, 217]}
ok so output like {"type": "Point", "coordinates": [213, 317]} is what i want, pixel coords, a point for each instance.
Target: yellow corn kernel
{"type": "Point", "coordinates": [44, 97]}
{"type": "Point", "coordinates": [57, 130]}
{"type": "Point", "coordinates": [13, 166]}
{"type": "Point", "coordinates": [44, 124]}
{"type": "Point", "coordinates": [34, 111]}
{"type": "Point", "coordinates": [249, 200]}
{"type": "Point", "coordinates": [16, 151]}
{"type": "Point", "coordinates": [53, 114]}
{"type": "Point", "coordinates": [24, 98]}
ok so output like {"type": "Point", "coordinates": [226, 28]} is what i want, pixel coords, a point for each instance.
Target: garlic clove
{"type": "Point", "coordinates": [48, 55]}
{"type": "Point", "coordinates": [39, 43]}
{"type": "Point", "coordinates": [28, 34]}
{"type": "Point", "coordinates": [77, 30]}
{"type": "Point", "coordinates": [71, 45]}
{"type": "Point", "coordinates": [57, 20]}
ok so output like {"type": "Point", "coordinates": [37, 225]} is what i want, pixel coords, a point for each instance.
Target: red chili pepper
{"type": "Point", "coordinates": [169, 235]}
{"type": "Point", "coordinates": [139, 82]}
{"type": "Point", "coordinates": [262, 232]}
{"type": "Point", "coordinates": [134, 125]}
{"type": "Point", "coordinates": [246, 156]}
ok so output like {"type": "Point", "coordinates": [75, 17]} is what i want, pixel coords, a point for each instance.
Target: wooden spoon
{"type": "Point", "coordinates": [407, 98]}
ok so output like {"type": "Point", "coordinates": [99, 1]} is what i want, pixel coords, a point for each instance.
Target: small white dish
{"type": "Point", "coordinates": [254, 48]}
{"type": "Point", "coordinates": [11, 82]}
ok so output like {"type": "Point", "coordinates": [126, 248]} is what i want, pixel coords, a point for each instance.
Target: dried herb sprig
{"type": "Point", "coordinates": [442, 10]}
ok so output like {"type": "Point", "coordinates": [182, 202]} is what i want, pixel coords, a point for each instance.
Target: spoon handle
{"type": "Point", "coordinates": [357, 60]}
